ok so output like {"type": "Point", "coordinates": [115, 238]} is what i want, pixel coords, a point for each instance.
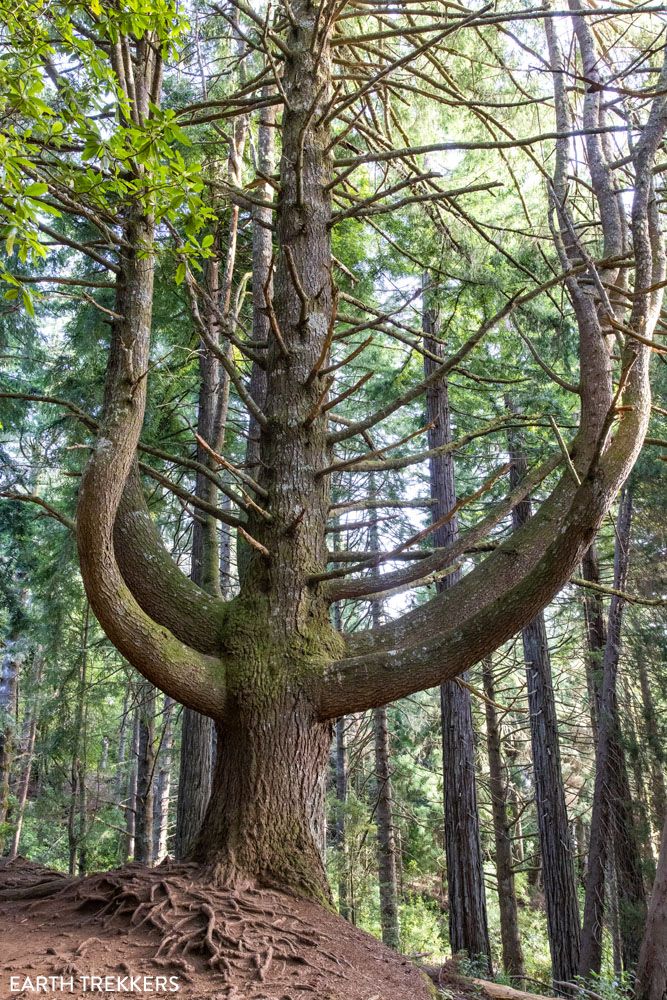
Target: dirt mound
{"type": "Point", "coordinates": [155, 930]}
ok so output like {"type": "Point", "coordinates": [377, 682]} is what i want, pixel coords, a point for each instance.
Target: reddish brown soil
{"type": "Point", "coordinates": [242, 944]}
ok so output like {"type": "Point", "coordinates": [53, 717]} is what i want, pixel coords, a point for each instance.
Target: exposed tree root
{"type": "Point", "coordinates": [239, 942]}
{"type": "Point", "coordinates": [244, 935]}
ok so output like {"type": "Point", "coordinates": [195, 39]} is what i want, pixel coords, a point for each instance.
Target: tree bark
{"type": "Point", "coordinates": [131, 799]}
{"type": "Point", "coordinates": [509, 915]}
{"type": "Point", "coordinates": [386, 840]}
{"type": "Point", "coordinates": [468, 928]}
{"type": "Point", "coordinates": [612, 807]}
{"type": "Point", "coordinates": [197, 736]}
{"type": "Point", "coordinates": [344, 895]}
{"type": "Point", "coordinates": [8, 693]}
{"type": "Point", "coordinates": [651, 982]}
{"type": "Point", "coordinates": [163, 784]}
{"type": "Point", "coordinates": [655, 744]}
{"type": "Point", "coordinates": [556, 851]}
{"type": "Point", "coordinates": [27, 756]}
{"type": "Point", "coordinates": [143, 850]}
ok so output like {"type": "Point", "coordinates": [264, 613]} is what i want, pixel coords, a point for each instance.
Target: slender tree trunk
{"type": "Point", "coordinates": [656, 748]}
{"type": "Point", "coordinates": [27, 757]}
{"type": "Point", "coordinates": [386, 840]}
{"type": "Point", "coordinates": [652, 969]}
{"type": "Point", "coordinates": [9, 677]}
{"type": "Point", "coordinates": [612, 807]}
{"type": "Point", "coordinates": [468, 928]}
{"type": "Point", "coordinates": [76, 825]}
{"type": "Point", "coordinates": [145, 772]}
{"type": "Point", "coordinates": [132, 782]}
{"type": "Point", "coordinates": [121, 774]}
{"type": "Point", "coordinates": [344, 907]}
{"type": "Point", "coordinates": [556, 851]}
{"type": "Point", "coordinates": [384, 812]}
{"type": "Point", "coordinates": [163, 783]}
{"type": "Point", "coordinates": [509, 914]}
{"type": "Point", "coordinates": [198, 733]}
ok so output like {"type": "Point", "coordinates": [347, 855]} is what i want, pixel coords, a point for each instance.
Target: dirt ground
{"type": "Point", "coordinates": [165, 932]}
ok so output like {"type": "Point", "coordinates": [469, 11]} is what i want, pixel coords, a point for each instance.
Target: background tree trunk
{"type": "Point", "coordinates": [27, 756]}
{"type": "Point", "coordinates": [143, 850]}
{"type": "Point", "coordinates": [9, 679]}
{"type": "Point", "coordinates": [652, 969]}
{"type": "Point", "coordinates": [163, 783]}
{"type": "Point", "coordinates": [468, 928]}
{"type": "Point", "coordinates": [509, 915]}
{"type": "Point", "coordinates": [386, 840]}
{"type": "Point", "coordinates": [556, 852]}
{"type": "Point", "coordinates": [612, 815]}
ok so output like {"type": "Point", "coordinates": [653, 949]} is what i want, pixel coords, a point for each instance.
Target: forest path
{"type": "Point", "coordinates": [246, 944]}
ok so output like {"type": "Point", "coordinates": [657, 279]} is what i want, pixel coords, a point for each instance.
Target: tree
{"type": "Point", "coordinates": [267, 665]}
{"type": "Point", "coordinates": [652, 970]}
{"type": "Point", "coordinates": [468, 927]}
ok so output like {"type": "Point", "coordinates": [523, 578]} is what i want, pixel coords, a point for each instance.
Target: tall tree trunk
{"type": "Point", "coordinates": [143, 850]}
{"type": "Point", "coordinates": [384, 810]}
{"type": "Point", "coordinates": [27, 756]}
{"type": "Point", "coordinates": [556, 851]}
{"type": "Point", "coordinates": [76, 825]}
{"type": "Point", "coordinates": [163, 783]}
{"type": "Point", "coordinates": [655, 746]}
{"type": "Point", "coordinates": [9, 677]}
{"type": "Point", "coordinates": [509, 914]}
{"type": "Point", "coordinates": [612, 816]}
{"type": "Point", "coordinates": [386, 839]}
{"type": "Point", "coordinates": [198, 735]}
{"type": "Point", "coordinates": [468, 927]}
{"type": "Point", "coordinates": [344, 907]}
{"type": "Point", "coordinates": [132, 783]}
{"type": "Point", "coordinates": [651, 982]}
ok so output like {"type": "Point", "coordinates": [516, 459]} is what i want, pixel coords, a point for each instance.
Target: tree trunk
{"type": "Point", "coordinates": [197, 739]}
{"type": "Point", "coordinates": [143, 850]}
{"type": "Point", "coordinates": [468, 928]}
{"type": "Point", "coordinates": [267, 802]}
{"type": "Point", "coordinates": [8, 691]}
{"type": "Point", "coordinates": [509, 916]}
{"type": "Point", "coordinates": [386, 840]}
{"type": "Point", "coordinates": [656, 748]}
{"type": "Point", "coordinates": [27, 756]}
{"type": "Point", "coordinates": [131, 800]}
{"type": "Point", "coordinates": [557, 855]}
{"type": "Point", "coordinates": [163, 784]}
{"type": "Point", "coordinates": [651, 982]}
{"type": "Point", "coordinates": [612, 807]}
{"type": "Point", "coordinates": [388, 862]}
{"type": "Point", "coordinates": [344, 903]}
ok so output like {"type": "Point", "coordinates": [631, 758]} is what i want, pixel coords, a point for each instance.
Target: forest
{"type": "Point", "coordinates": [333, 539]}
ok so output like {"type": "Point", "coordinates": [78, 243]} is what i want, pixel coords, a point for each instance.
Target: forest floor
{"type": "Point", "coordinates": [139, 927]}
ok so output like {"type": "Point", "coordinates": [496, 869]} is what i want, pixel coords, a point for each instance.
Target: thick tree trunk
{"type": "Point", "coordinates": [509, 914]}
{"type": "Point", "coordinates": [652, 969]}
{"type": "Point", "coordinates": [267, 802]}
{"type": "Point", "coordinates": [468, 928]}
{"type": "Point", "coordinates": [556, 850]}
